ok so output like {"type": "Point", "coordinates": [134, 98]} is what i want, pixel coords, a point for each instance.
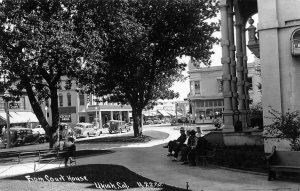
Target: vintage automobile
{"type": "Point", "coordinates": [21, 135]}
{"type": "Point", "coordinates": [65, 131]}
{"type": "Point", "coordinates": [117, 126]}
{"type": "Point", "coordinates": [40, 130]}
{"type": "Point", "coordinates": [86, 130]}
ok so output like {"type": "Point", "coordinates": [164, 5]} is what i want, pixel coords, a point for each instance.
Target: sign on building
{"type": "Point", "coordinates": [65, 118]}
{"type": "Point", "coordinates": [14, 105]}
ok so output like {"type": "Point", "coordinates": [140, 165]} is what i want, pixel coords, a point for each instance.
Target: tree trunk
{"type": "Point", "coordinates": [34, 104]}
{"type": "Point", "coordinates": [137, 121]}
{"type": "Point", "coordinates": [55, 117]}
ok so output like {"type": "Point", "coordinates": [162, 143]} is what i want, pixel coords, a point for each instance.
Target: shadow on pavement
{"type": "Point", "coordinates": [118, 139]}
{"type": "Point", "coordinates": [79, 154]}
{"type": "Point", "coordinates": [97, 176]}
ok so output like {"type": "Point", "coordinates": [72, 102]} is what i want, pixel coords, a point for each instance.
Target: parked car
{"type": "Point", "coordinates": [157, 121]}
{"type": "Point", "coordinates": [117, 126]}
{"type": "Point", "coordinates": [21, 135]}
{"type": "Point", "coordinates": [86, 130]}
{"type": "Point", "coordinates": [149, 122]}
{"type": "Point", "coordinates": [40, 130]}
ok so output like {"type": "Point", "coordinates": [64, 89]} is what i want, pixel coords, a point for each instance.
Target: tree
{"type": "Point", "coordinates": [40, 43]}
{"type": "Point", "coordinates": [144, 40]}
{"type": "Point", "coordinates": [285, 126]}
{"type": "Point", "coordinates": [256, 115]}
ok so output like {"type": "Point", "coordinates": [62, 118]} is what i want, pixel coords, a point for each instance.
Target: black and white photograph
{"type": "Point", "coordinates": [150, 95]}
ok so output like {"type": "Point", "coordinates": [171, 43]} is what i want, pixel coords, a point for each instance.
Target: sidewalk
{"type": "Point", "coordinates": [149, 160]}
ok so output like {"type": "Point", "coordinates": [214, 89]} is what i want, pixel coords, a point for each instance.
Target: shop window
{"type": "Point", "coordinates": [201, 103]}
{"type": "Point", "coordinates": [60, 100]}
{"type": "Point", "coordinates": [81, 99]}
{"type": "Point", "coordinates": [220, 102]}
{"type": "Point", "coordinates": [69, 99]}
{"type": "Point", "coordinates": [81, 119]}
{"type": "Point", "coordinates": [197, 87]}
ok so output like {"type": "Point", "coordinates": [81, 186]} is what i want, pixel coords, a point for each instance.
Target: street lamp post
{"type": "Point", "coordinates": [6, 107]}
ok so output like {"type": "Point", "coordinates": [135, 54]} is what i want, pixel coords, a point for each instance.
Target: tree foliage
{"type": "Point", "coordinates": [40, 43]}
{"type": "Point", "coordinates": [285, 126]}
{"type": "Point", "coordinates": [144, 40]}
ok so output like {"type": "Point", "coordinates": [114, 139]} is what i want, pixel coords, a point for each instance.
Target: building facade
{"type": "Point", "coordinates": [206, 90]}
{"type": "Point", "coordinates": [76, 106]}
{"type": "Point", "coordinates": [276, 42]}
{"type": "Point", "coordinates": [20, 113]}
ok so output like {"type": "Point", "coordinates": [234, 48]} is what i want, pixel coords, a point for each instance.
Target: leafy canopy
{"type": "Point", "coordinates": [144, 40]}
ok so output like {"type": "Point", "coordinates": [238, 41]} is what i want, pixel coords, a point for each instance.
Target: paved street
{"type": "Point", "coordinates": [149, 160]}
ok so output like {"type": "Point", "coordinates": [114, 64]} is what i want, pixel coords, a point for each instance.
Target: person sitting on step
{"type": "Point", "coordinates": [191, 144]}
{"type": "Point", "coordinates": [200, 148]}
{"type": "Point", "coordinates": [70, 148]}
{"type": "Point", "coordinates": [176, 143]}
{"type": "Point", "coordinates": [178, 147]}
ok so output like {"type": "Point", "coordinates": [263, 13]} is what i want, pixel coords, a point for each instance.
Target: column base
{"type": "Point", "coordinates": [243, 119]}
{"type": "Point", "coordinates": [228, 121]}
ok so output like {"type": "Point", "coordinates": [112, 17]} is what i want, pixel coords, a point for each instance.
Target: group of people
{"type": "Point", "coordinates": [189, 144]}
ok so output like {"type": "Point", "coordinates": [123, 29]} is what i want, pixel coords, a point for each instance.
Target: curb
{"type": "Point", "coordinates": [239, 170]}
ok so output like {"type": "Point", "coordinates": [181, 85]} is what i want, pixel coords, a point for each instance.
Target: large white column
{"type": "Point", "coordinates": [227, 93]}
{"type": "Point", "coordinates": [232, 62]}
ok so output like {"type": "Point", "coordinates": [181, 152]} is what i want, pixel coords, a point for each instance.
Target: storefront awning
{"type": "Point", "coordinates": [149, 113]}
{"type": "Point", "coordinates": [164, 113]}
{"type": "Point", "coordinates": [173, 113]}
{"type": "Point", "coordinates": [20, 117]}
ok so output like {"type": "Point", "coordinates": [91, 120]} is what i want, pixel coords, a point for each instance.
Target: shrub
{"type": "Point", "coordinates": [256, 115]}
{"type": "Point", "coordinates": [241, 157]}
{"type": "Point", "coordinates": [285, 126]}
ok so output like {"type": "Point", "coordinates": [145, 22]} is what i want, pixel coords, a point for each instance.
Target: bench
{"type": "Point", "coordinates": [285, 161]}
{"type": "Point", "coordinates": [208, 154]}
{"type": "Point", "coordinates": [37, 156]}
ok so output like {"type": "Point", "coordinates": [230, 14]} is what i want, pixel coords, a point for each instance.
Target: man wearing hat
{"type": "Point", "coordinates": [191, 144]}
{"type": "Point", "coordinates": [176, 143]}
{"type": "Point", "coordinates": [201, 147]}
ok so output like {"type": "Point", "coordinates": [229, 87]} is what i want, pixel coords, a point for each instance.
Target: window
{"type": "Point", "coordinates": [296, 42]}
{"type": "Point", "coordinates": [81, 99]}
{"type": "Point", "coordinates": [220, 85]}
{"type": "Point", "coordinates": [60, 100]}
{"type": "Point", "coordinates": [250, 85]}
{"type": "Point", "coordinates": [201, 103]}
{"type": "Point", "coordinates": [69, 99]}
{"type": "Point", "coordinates": [192, 88]}
{"type": "Point", "coordinates": [220, 102]}
{"type": "Point", "coordinates": [197, 87]}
